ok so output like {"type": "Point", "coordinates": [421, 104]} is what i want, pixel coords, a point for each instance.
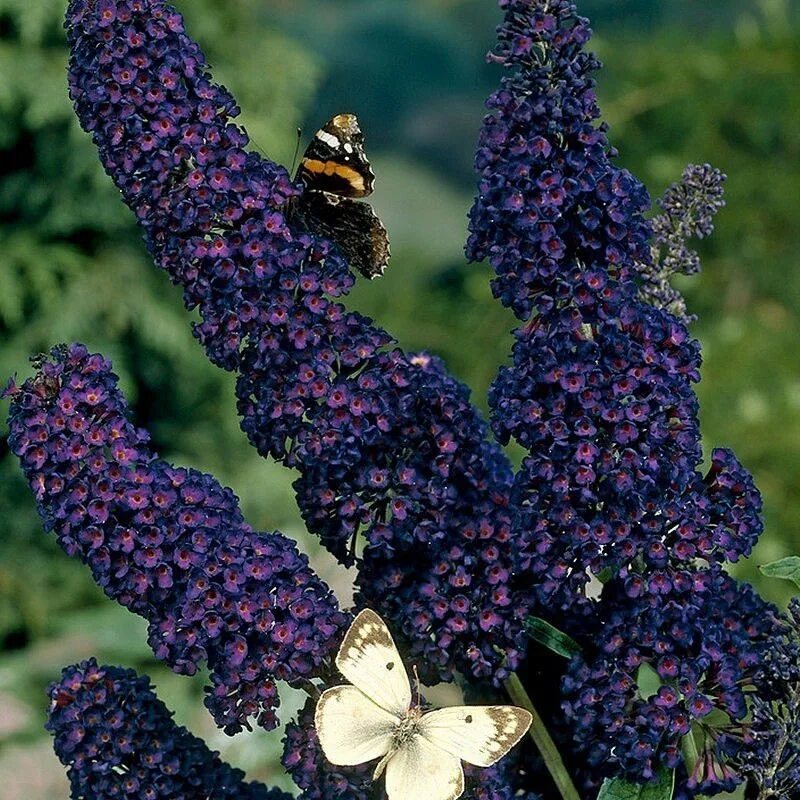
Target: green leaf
{"type": "Point", "coordinates": [605, 575]}
{"type": "Point", "coordinates": [648, 681]}
{"type": "Point", "coordinates": [660, 789]}
{"type": "Point", "coordinates": [551, 637]}
{"type": "Point", "coordinates": [786, 568]}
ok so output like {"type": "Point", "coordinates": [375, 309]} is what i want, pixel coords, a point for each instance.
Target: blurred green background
{"type": "Point", "coordinates": [681, 83]}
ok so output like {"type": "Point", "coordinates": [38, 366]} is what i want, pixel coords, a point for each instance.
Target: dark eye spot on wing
{"type": "Point", "coordinates": [390, 665]}
{"type": "Point", "coordinates": [468, 718]}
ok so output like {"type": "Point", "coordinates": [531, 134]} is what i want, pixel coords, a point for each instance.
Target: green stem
{"type": "Point", "coordinates": [542, 739]}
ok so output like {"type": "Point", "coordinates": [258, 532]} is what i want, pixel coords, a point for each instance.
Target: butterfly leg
{"type": "Point", "coordinates": [382, 765]}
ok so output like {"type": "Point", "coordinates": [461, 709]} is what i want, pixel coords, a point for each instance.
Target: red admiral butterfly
{"type": "Point", "coordinates": [335, 170]}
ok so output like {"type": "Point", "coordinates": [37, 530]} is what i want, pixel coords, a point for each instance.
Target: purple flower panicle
{"type": "Point", "coordinates": [386, 444]}
{"type": "Point", "coordinates": [118, 740]}
{"type": "Point", "coordinates": [770, 753]}
{"type": "Point", "coordinates": [599, 392]}
{"type": "Point", "coordinates": [600, 388]}
{"type": "Point", "coordinates": [443, 568]}
{"type": "Point", "coordinates": [551, 208]}
{"type": "Point", "coordinates": [170, 544]}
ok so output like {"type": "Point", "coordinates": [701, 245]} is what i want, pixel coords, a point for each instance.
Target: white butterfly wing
{"type": "Point", "coordinates": [421, 771]}
{"type": "Point", "coordinates": [480, 735]}
{"type": "Point", "coordinates": [368, 658]}
{"type": "Point", "coordinates": [351, 728]}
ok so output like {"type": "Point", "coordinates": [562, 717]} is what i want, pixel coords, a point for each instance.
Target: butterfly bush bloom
{"type": "Point", "coordinates": [170, 544]}
{"type": "Point", "coordinates": [119, 740]}
{"type": "Point", "coordinates": [599, 393]}
{"type": "Point", "coordinates": [386, 444]}
{"type": "Point", "coordinates": [688, 209]}
{"type": "Point", "coordinates": [600, 396]}
{"type": "Point", "coordinates": [458, 549]}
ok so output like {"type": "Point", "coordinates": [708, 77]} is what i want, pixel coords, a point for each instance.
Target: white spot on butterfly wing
{"type": "Point", "coordinates": [329, 139]}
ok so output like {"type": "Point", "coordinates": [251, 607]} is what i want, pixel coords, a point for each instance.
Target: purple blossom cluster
{"type": "Point", "coordinates": [118, 740]}
{"type": "Point", "coordinates": [703, 639]}
{"type": "Point", "coordinates": [600, 395]}
{"type": "Point", "coordinates": [548, 194]}
{"type": "Point", "coordinates": [447, 566]}
{"type": "Point", "coordinates": [386, 444]}
{"type": "Point", "coordinates": [170, 544]}
{"type": "Point", "coordinates": [688, 208]}
{"type": "Point", "coordinates": [320, 780]}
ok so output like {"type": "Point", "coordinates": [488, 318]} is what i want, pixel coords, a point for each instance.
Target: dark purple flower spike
{"type": "Point", "coordinates": [386, 444]}
{"type": "Point", "coordinates": [688, 208]}
{"type": "Point", "coordinates": [600, 395]}
{"type": "Point", "coordinates": [118, 740]}
{"type": "Point", "coordinates": [170, 544]}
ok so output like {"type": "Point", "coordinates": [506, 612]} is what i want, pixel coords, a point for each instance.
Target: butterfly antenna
{"type": "Point", "coordinates": [296, 150]}
{"type": "Point", "coordinates": [416, 684]}
{"type": "Point", "coordinates": [259, 147]}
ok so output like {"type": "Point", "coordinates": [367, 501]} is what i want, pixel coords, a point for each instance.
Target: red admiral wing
{"type": "Point", "coordinates": [352, 226]}
{"type": "Point", "coordinates": [335, 160]}
{"type": "Point", "coordinates": [335, 169]}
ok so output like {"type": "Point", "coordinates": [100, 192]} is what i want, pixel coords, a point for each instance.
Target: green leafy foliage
{"type": "Point", "coordinates": [551, 637]}
{"type": "Point", "coordinates": [786, 568]}
{"type": "Point", "coordinates": [660, 789]}
{"type": "Point", "coordinates": [648, 680]}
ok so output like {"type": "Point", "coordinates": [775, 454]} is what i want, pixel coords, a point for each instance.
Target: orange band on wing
{"type": "Point", "coordinates": [355, 179]}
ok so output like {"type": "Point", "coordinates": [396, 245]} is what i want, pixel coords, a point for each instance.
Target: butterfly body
{"type": "Point", "coordinates": [420, 752]}
{"type": "Point", "coordinates": [407, 729]}
{"type": "Point", "coordinates": [337, 176]}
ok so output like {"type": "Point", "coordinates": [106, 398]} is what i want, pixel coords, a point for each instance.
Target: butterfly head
{"type": "Point", "coordinates": [347, 126]}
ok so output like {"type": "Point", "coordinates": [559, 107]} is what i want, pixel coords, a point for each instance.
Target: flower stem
{"type": "Point", "coordinates": [542, 739]}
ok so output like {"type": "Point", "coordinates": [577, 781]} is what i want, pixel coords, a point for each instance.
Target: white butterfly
{"type": "Point", "coordinates": [421, 753]}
